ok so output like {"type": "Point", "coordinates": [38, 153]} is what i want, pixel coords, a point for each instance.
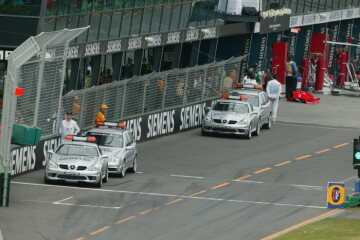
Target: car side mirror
{"type": "Point", "coordinates": [130, 147]}
{"type": "Point", "coordinates": [207, 109]}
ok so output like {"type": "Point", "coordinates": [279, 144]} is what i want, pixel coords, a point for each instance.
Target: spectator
{"type": "Point", "coordinates": [68, 126]}
{"type": "Point", "coordinates": [88, 79]}
{"type": "Point", "coordinates": [76, 105]}
{"type": "Point", "coordinates": [273, 90]}
{"type": "Point", "coordinates": [227, 84]}
{"type": "Point", "coordinates": [250, 77]}
{"type": "Point", "coordinates": [291, 73]}
{"type": "Point", "coordinates": [100, 116]}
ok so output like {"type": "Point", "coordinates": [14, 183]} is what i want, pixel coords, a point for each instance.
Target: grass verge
{"type": "Point", "coordinates": [327, 229]}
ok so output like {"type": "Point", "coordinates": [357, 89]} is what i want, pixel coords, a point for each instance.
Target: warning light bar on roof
{"type": "Point", "coordinates": [250, 86]}
{"type": "Point", "coordinates": [80, 139]}
{"type": "Point", "coordinates": [227, 96]}
{"type": "Point", "coordinates": [111, 124]}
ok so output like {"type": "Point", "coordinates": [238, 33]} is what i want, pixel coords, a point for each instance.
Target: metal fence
{"type": "Point", "coordinates": [153, 92]}
{"type": "Point", "coordinates": [37, 66]}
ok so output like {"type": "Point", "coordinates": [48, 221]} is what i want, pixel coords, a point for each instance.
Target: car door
{"type": "Point", "coordinates": [128, 152]}
{"type": "Point", "coordinates": [253, 117]}
{"type": "Point", "coordinates": [266, 106]}
{"type": "Point", "coordinates": [262, 110]}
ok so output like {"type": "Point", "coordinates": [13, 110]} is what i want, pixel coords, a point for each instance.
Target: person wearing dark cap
{"type": "Point", "coordinates": [68, 126]}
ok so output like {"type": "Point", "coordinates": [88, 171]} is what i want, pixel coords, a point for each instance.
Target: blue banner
{"type": "Point", "coordinates": [335, 195]}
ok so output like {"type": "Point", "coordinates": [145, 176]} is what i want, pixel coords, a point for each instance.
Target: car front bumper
{"type": "Point", "coordinates": [72, 176]}
{"type": "Point", "coordinates": [211, 127]}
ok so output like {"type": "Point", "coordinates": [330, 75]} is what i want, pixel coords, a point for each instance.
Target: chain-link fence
{"type": "Point", "coordinates": [37, 66]}
{"type": "Point", "coordinates": [153, 92]}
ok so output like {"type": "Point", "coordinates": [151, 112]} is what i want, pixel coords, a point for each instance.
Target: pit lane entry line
{"type": "Point", "coordinates": [272, 236]}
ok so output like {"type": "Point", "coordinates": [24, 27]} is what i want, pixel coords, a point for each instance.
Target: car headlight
{"type": "Point", "coordinates": [94, 167]}
{"type": "Point", "coordinates": [243, 122]}
{"type": "Point", "coordinates": [115, 160]}
{"type": "Point", "coordinates": [207, 119]}
{"type": "Point", "coordinates": [53, 164]}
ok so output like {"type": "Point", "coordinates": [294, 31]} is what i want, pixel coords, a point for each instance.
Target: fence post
{"type": "Point", "coordinates": [204, 84]}
{"type": "Point", "coordinates": [164, 93]}
{"type": "Point", "coordinates": [38, 93]}
{"type": "Point", "coordinates": [144, 96]}
{"type": "Point", "coordinates": [185, 87]}
{"type": "Point", "coordinates": [123, 101]}
{"type": "Point", "coordinates": [82, 109]}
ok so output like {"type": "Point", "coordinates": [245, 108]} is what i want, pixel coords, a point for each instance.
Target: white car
{"type": "Point", "coordinates": [119, 145]}
{"type": "Point", "coordinates": [77, 159]}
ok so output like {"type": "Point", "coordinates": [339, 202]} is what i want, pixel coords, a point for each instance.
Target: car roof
{"type": "Point", "coordinates": [110, 131]}
{"type": "Point", "coordinates": [247, 91]}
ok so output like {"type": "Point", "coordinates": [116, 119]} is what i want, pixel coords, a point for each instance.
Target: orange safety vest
{"type": "Point", "coordinates": [100, 117]}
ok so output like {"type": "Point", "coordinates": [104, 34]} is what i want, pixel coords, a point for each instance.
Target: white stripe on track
{"type": "Point", "coordinates": [184, 176]}
{"type": "Point", "coordinates": [173, 195]}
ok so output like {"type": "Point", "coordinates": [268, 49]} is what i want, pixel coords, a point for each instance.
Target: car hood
{"type": "Point", "coordinates": [109, 150]}
{"type": "Point", "coordinates": [74, 160]}
{"type": "Point", "coordinates": [227, 115]}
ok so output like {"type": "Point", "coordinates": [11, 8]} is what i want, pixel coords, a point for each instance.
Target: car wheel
{"type": "Point", "coordinates": [258, 128]}
{"type": "Point", "coordinates": [106, 178]}
{"type": "Point", "coordinates": [100, 182]}
{"type": "Point", "coordinates": [269, 123]}
{"type": "Point", "coordinates": [248, 136]}
{"type": "Point", "coordinates": [203, 133]}
{"type": "Point", "coordinates": [122, 172]}
{"type": "Point", "coordinates": [134, 166]}
{"type": "Point", "coordinates": [46, 180]}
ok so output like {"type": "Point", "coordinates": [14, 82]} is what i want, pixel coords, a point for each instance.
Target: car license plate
{"type": "Point", "coordinates": [72, 173]}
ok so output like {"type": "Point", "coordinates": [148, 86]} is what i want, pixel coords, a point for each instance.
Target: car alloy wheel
{"type": "Point", "coordinates": [106, 178]}
{"type": "Point", "coordinates": [258, 128]}
{"type": "Point", "coordinates": [134, 166]}
{"type": "Point", "coordinates": [122, 172]}
{"type": "Point", "coordinates": [249, 133]}
{"type": "Point", "coordinates": [100, 182]}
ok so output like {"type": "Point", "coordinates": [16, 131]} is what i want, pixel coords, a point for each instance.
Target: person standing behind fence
{"type": "Point", "coordinates": [68, 126]}
{"type": "Point", "coordinates": [100, 116]}
{"type": "Point", "coordinates": [273, 90]}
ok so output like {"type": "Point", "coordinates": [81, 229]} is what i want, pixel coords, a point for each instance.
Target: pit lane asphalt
{"type": "Point", "coordinates": [187, 190]}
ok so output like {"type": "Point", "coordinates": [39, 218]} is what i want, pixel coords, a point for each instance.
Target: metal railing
{"type": "Point", "coordinates": [153, 92]}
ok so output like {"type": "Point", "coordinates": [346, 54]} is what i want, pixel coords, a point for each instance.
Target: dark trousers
{"type": "Point", "coordinates": [291, 83]}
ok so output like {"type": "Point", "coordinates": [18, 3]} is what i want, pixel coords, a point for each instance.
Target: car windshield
{"type": "Point", "coordinates": [109, 140]}
{"type": "Point", "coordinates": [252, 99]}
{"type": "Point", "coordinates": [78, 150]}
{"type": "Point", "coordinates": [231, 107]}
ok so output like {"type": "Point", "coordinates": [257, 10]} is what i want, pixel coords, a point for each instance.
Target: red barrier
{"type": "Point", "coordinates": [279, 51]}
{"type": "Point", "coordinates": [305, 74]}
{"type": "Point", "coordinates": [317, 45]}
{"type": "Point", "coordinates": [320, 73]}
{"type": "Point", "coordinates": [342, 72]}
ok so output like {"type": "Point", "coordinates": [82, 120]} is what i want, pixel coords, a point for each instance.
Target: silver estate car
{"type": "Point", "coordinates": [77, 161]}
{"type": "Point", "coordinates": [259, 100]}
{"type": "Point", "coordinates": [119, 144]}
{"type": "Point", "coordinates": [231, 117]}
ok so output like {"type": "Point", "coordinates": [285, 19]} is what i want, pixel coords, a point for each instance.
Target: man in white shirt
{"type": "Point", "coordinates": [68, 126]}
{"type": "Point", "coordinates": [273, 90]}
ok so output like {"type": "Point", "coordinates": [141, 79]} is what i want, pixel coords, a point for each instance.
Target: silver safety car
{"type": "Point", "coordinates": [118, 143]}
{"type": "Point", "coordinates": [77, 159]}
{"type": "Point", "coordinates": [257, 98]}
{"type": "Point", "coordinates": [229, 116]}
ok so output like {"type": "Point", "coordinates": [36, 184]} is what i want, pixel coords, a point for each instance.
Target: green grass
{"type": "Point", "coordinates": [327, 229]}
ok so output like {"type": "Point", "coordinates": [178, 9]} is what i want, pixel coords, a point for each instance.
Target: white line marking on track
{"type": "Point", "coordinates": [184, 176]}
{"type": "Point", "coordinates": [307, 186]}
{"type": "Point", "coordinates": [316, 126]}
{"type": "Point", "coordinates": [173, 195]}
{"type": "Point", "coordinates": [139, 172]}
{"type": "Point", "coordinates": [247, 181]}
{"type": "Point", "coordinates": [62, 200]}
{"type": "Point", "coordinates": [348, 179]}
